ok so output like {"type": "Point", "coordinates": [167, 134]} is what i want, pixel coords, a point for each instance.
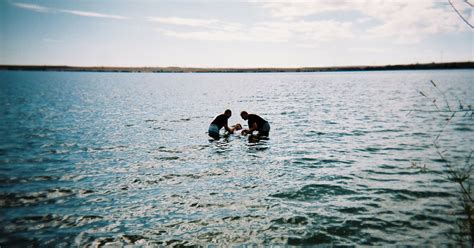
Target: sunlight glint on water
{"type": "Point", "coordinates": [96, 158]}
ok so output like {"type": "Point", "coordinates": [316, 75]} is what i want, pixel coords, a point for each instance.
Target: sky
{"type": "Point", "coordinates": [218, 33]}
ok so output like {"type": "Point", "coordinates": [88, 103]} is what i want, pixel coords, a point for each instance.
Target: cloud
{"type": "Point", "coordinates": [294, 9]}
{"type": "Point", "coordinates": [410, 23]}
{"type": "Point", "coordinates": [32, 7]}
{"type": "Point", "coordinates": [276, 31]}
{"type": "Point", "coordinates": [39, 8]}
{"type": "Point", "coordinates": [402, 21]}
{"type": "Point", "coordinates": [212, 35]}
{"type": "Point", "coordinates": [208, 24]}
{"type": "Point", "coordinates": [223, 35]}
{"type": "Point", "coordinates": [93, 14]}
{"type": "Point", "coordinates": [366, 49]}
{"type": "Point", "coordinates": [192, 22]}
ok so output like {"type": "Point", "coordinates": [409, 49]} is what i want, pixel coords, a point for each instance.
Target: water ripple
{"type": "Point", "coordinates": [114, 159]}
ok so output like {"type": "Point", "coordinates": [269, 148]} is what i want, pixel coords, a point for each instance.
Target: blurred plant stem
{"type": "Point", "coordinates": [457, 173]}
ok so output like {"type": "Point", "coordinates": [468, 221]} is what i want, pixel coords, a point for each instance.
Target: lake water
{"type": "Point", "coordinates": [124, 158]}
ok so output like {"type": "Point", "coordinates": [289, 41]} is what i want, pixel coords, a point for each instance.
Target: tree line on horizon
{"type": "Point", "coordinates": [425, 66]}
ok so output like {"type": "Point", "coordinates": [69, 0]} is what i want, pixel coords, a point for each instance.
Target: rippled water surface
{"type": "Point", "coordinates": [124, 158]}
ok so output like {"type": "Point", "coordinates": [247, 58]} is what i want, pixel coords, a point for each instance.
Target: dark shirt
{"type": "Point", "coordinates": [255, 119]}
{"type": "Point", "coordinates": [220, 120]}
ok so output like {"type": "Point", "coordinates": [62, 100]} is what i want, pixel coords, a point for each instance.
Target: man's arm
{"type": "Point", "coordinates": [251, 129]}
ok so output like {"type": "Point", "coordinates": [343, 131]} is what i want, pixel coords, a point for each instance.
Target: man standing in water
{"type": "Point", "coordinates": [255, 123]}
{"type": "Point", "coordinates": [219, 122]}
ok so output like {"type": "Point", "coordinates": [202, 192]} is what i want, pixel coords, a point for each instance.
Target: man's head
{"type": "Point", "coordinates": [244, 115]}
{"type": "Point", "coordinates": [228, 113]}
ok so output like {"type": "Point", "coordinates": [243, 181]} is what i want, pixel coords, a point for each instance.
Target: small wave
{"type": "Point", "coordinates": [33, 198]}
{"type": "Point", "coordinates": [424, 135]}
{"type": "Point", "coordinates": [404, 194]}
{"type": "Point", "coordinates": [463, 129]}
{"type": "Point", "coordinates": [178, 178]}
{"type": "Point", "coordinates": [392, 149]}
{"type": "Point", "coordinates": [310, 161]}
{"type": "Point", "coordinates": [288, 112]}
{"type": "Point", "coordinates": [93, 240]}
{"type": "Point", "coordinates": [54, 220]}
{"type": "Point", "coordinates": [352, 210]}
{"type": "Point", "coordinates": [313, 133]}
{"type": "Point", "coordinates": [314, 192]}
{"type": "Point", "coordinates": [335, 178]}
{"type": "Point", "coordinates": [388, 167]}
{"type": "Point", "coordinates": [359, 132]}
{"type": "Point", "coordinates": [166, 150]}
{"type": "Point", "coordinates": [388, 131]}
{"type": "Point", "coordinates": [294, 220]}
{"type": "Point", "coordinates": [59, 152]}
{"type": "Point", "coordinates": [181, 120]}
{"type": "Point", "coordinates": [3, 152]}
{"type": "Point", "coordinates": [167, 158]}
{"type": "Point", "coordinates": [161, 128]}
{"type": "Point", "coordinates": [382, 179]}
{"type": "Point", "coordinates": [401, 160]}
{"type": "Point", "coordinates": [431, 218]}
{"type": "Point", "coordinates": [35, 160]}
{"type": "Point", "coordinates": [369, 149]}
{"type": "Point", "coordinates": [16, 180]}
{"type": "Point", "coordinates": [330, 122]}
{"type": "Point", "coordinates": [312, 239]}
{"type": "Point", "coordinates": [399, 172]}
{"type": "Point", "coordinates": [345, 133]}
{"type": "Point", "coordinates": [106, 148]}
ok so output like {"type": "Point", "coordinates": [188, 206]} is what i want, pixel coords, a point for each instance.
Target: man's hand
{"type": "Point", "coordinates": [250, 130]}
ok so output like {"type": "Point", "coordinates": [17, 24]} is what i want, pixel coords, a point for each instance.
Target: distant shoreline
{"type": "Point", "coordinates": [428, 66]}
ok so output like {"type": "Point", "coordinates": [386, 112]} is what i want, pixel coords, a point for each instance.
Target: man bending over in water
{"type": "Point", "coordinates": [219, 122]}
{"type": "Point", "coordinates": [255, 123]}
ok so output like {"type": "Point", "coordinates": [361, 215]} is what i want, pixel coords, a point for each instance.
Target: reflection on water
{"type": "Point", "coordinates": [113, 158]}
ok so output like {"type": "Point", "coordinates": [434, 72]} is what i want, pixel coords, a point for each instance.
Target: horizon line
{"type": "Point", "coordinates": [232, 67]}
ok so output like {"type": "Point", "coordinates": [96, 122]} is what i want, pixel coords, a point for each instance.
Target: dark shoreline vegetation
{"type": "Point", "coordinates": [429, 66]}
